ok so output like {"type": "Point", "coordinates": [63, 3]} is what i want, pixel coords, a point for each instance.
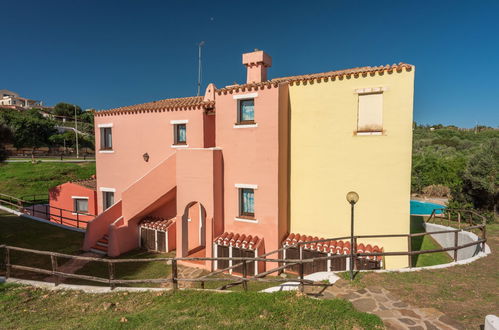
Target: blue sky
{"type": "Point", "coordinates": [104, 54]}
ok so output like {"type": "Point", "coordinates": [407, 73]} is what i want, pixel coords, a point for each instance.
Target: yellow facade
{"type": "Point", "coordinates": [328, 159]}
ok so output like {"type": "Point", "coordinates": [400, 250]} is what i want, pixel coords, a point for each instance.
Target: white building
{"type": "Point", "coordinates": [12, 99]}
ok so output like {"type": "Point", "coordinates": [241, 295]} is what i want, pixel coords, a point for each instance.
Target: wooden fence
{"type": "Point", "coordinates": [241, 262]}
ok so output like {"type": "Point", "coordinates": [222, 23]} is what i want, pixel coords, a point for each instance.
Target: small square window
{"type": "Point", "coordinates": [106, 138]}
{"type": "Point", "coordinates": [370, 113]}
{"type": "Point", "coordinates": [180, 134]}
{"type": "Point", "coordinates": [247, 202]}
{"type": "Point", "coordinates": [246, 111]}
{"type": "Point", "coordinates": [107, 199]}
{"type": "Point", "coordinates": [80, 205]}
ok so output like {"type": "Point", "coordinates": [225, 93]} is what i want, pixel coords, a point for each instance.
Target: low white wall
{"type": "Point", "coordinates": [446, 240]}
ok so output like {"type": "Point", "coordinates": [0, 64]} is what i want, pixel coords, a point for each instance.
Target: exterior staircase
{"type": "Point", "coordinates": [115, 230]}
{"type": "Point", "coordinates": [101, 246]}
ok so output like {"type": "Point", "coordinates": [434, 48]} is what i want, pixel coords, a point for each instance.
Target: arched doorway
{"type": "Point", "coordinates": [194, 229]}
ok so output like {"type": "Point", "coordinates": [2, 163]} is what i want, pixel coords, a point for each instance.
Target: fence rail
{"type": "Point", "coordinates": [283, 263]}
{"type": "Point", "coordinates": [37, 206]}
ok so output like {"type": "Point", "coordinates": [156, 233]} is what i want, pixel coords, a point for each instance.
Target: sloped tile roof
{"type": "Point", "coordinates": [332, 246]}
{"type": "Point", "coordinates": [322, 76]}
{"type": "Point", "coordinates": [156, 223]}
{"type": "Point", "coordinates": [181, 103]}
{"type": "Point", "coordinates": [87, 183]}
{"type": "Point", "coordinates": [243, 241]}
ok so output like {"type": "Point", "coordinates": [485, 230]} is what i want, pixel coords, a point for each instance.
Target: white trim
{"type": "Point", "coordinates": [256, 262]}
{"type": "Point", "coordinates": [180, 146]}
{"type": "Point", "coordinates": [245, 126]}
{"type": "Point", "coordinates": [79, 197]}
{"type": "Point", "coordinates": [105, 125]}
{"type": "Point", "coordinates": [368, 133]}
{"type": "Point", "coordinates": [245, 96]}
{"type": "Point", "coordinates": [215, 255]}
{"type": "Point", "coordinates": [246, 220]}
{"type": "Point", "coordinates": [371, 90]}
{"type": "Point", "coordinates": [247, 186]}
{"type": "Point", "coordinates": [106, 151]}
{"type": "Point", "coordinates": [107, 189]}
{"type": "Point", "coordinates": [179, 121]}
{"type": "Point", "coordinates": [230, 260]}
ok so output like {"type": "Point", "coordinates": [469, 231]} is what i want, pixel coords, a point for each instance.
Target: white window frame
{"type": "Point", "coordinates": [240, 186]}
{"type": "Point", "coordinates": [239, 98]}
{"type": "Point", "coordinates": [74, 204]}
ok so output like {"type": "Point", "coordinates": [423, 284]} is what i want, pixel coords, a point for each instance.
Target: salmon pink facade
{"type": "Point", "coordinates": [206, 176]}
{"type": "Point", "coordinates": [73, 203]}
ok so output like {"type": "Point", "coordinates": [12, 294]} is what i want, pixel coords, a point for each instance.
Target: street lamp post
{"type": "Point", "coordinates": [352, 198]}
{"type": "Point", "coordinates": [76, 134]}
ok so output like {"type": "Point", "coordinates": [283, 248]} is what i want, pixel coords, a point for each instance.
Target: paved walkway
{"type": "Point", "coordinates": [394, 313]}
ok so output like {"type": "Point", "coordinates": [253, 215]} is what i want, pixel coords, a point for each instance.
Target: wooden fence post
{"type": "Point", "coordinates": [77, 220]}
{"type": "Point", "coordinates": [53, 260]}
{"type": "Point", "coordinates": [174, 274]}
{"type": "Point", "coordinates": [245, 283]}
{"type": "Point", "coordinates": [110, 267]}
{"type": "Point", "coordinates": [456, 237]}
{"type": "Point", "coordinates": [409, 249]}
{"type": "Point", "coordinates": [60, 215]}
{"type": "Point", "coordinates": [7, 263]}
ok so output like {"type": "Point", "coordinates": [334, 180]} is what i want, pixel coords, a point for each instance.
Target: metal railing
{"type": "Point", "coordinates": [38, 207]}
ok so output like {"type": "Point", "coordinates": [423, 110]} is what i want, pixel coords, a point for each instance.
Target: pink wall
{"type": "Point", "coordinates": [198, 172]}
{"type": "Point", "coordinates": [99, 227]}
{"type": "Point", "coordinates": [61, 198]}
{"type": "Point", "coordinates": [137, 133]}
{"type": "Point", "coordinates": [251, 156]}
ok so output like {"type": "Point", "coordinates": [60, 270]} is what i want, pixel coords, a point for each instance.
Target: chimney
{"type": "Point", "coordinates": [257, 63]}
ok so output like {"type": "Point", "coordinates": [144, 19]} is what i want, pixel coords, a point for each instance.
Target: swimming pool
{"type": "Point", "coordinates": [424, 208]}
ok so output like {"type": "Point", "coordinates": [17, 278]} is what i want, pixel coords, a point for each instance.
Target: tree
{"type": "Point", "coordinates": [30, 131]}
{"type": "Point", "coordinates": [66, 110]}
{"type": "Point", "coordinates": [5, 137]}
{"type": "Point", "coordinates": [481, 177]}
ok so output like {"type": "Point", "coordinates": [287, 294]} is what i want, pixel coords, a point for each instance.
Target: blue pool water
{"type": "Point", "coordinates": [424, 208]}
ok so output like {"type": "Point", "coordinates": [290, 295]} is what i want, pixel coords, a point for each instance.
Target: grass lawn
{"type": "Point", "coordinates": [26, 179]}
{"type": "Point", "coordinates": [128, 271]}
{"type": "Point", "coordinates": [425, 243]}
{"type": "Point", "coordinates": [24, 307]}
{"type": "Point", "coordinates": [22, 232]}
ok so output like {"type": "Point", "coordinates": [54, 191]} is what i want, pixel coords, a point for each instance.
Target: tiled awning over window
{"type": "Point", "coordinates": [243, 241]}
{"type": "Point", "coordinates": [332, 246]}
{"type": "Point", "coordinates": [156, 223]}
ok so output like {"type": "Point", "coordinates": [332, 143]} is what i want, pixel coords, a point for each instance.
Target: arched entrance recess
{"type": "Point", "coordinates": [194, 229]}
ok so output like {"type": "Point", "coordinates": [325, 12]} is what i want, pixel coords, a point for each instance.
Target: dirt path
{"type": "Point", "coordinates": [395, 313]}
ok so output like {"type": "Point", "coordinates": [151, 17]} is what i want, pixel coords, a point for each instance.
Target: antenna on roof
{"type": "Point", "coordinates": [201, 44]}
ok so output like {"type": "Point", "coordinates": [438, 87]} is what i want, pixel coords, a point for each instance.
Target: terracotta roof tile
{"type": "Point", "coordinates": [156, 223]}
{"type": "Point", "coordinates": [243, 241]}
{"type": "Point", "coordinates": [356, 72]}
{"type": "Point", "coordinates": [87, 183]}
{"type": "Point", "coordinates": [332, 246]}
{"type": "Point", "coordinates": [182, 103]}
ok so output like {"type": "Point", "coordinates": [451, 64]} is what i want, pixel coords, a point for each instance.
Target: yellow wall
{"type": "Point", "coordinates": [328, 160]}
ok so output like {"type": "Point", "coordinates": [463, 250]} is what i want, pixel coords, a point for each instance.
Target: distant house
{"type": "Point", "coordinates": [13, 100]}
{"type": "Point", "coordinates": [74, 201]}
